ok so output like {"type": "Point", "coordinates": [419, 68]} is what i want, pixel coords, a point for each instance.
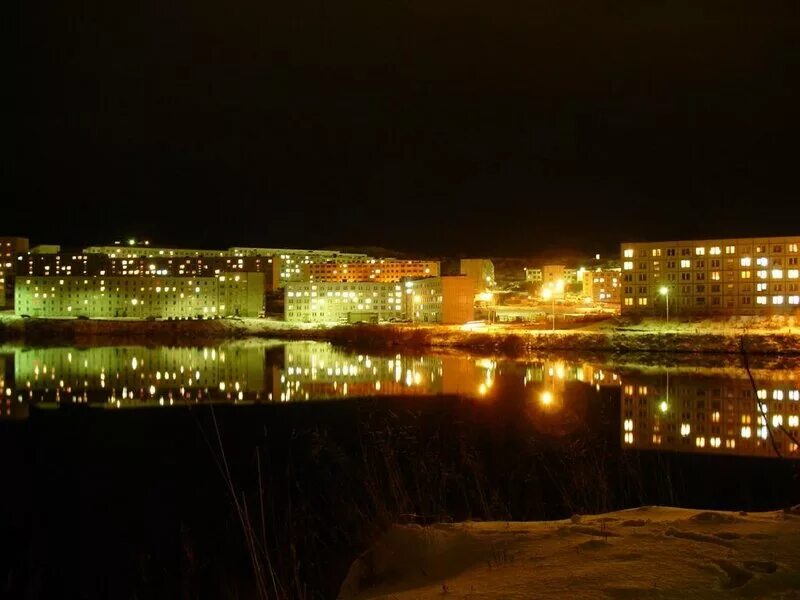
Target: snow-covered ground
{"type": "Point", "coordinates": [650, 552]}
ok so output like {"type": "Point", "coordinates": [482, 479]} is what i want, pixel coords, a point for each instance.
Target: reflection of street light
{"type": "Point", "coordinates": [664, 291]}
{"type": "Point", "coordinates": [546, 398]}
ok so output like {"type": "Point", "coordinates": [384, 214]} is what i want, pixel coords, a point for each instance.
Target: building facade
{"type": "Point", "coordinates": [342, 302]}
{"type": "Point", "coordinates": [9, 247]}
{"type": "Point", "coordinates": [744, 276]}
{"type": "Point", "coordinates": [602, 285]}
{"type": "Point", "coordinates": [480, 271]}
{"type": "Point", "coordinates": [229, 294]}
{"type": "Point", "coordinates": [375, 269]}
{"type": "Point", "coordinates": [533, 275]}
{"type": "Point", "coordinates": [448, 299]}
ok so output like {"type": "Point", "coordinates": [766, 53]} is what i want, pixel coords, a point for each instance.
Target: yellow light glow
{"type": "Point", "coordinates": [546, 398]}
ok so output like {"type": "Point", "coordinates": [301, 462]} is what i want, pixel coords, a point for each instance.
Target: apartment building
{"type": "Point", "coordinates": [140, 296]}
{"type": "Point", "coordinates": [342, 302]}
{"type": "Point", "coordinates": [480, 271]}
{"type": "Point", "coordinates": [725, 276]}
{"type": "Point", "coordinates": [448, 300]}
{"type": "Point", "coordinates": [9, 247]}
{"type": "Point", "coordinates": [602, 285]}
{"type": "Point", "coordinates": [385, 270]}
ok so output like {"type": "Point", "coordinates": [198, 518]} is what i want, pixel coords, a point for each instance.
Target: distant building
{"type": "Point", "coordinates": [533, 275]}
{"type": "Point", "coordinates": [725, 276]}
{"type": "Point", "coordinates": [480, 271]}
{"type": "Point", "coordinates": [449, 300]}
{"type": "Point", "coordinates": [376, 269]}
{"type": "Point", "coordinates": [342, 302]}
{"type": "Point", "coordinates": [140, 296]}
{"type": "Point", "coordinates": [9, 246]}
{"type": "Point", "coordinates": [602, 285]}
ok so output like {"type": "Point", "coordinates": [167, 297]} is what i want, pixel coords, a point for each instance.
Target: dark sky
{"type": "Point", "coordinates": [432, 126]}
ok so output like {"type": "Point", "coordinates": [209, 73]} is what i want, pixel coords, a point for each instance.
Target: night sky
{"type": "Point", "coordinates": [427, 126]}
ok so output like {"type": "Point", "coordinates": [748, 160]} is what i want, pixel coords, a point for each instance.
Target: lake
{"type": "Point", "coordinates": [121, 463]}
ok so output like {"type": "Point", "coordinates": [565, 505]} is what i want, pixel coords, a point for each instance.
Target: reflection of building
{"type": "Point", "coordinates": [602, 285]}
{"type": "Point", "coordinates": [480, 271]}
{"type": "Point", "coordinates": [726, 276]}
{"type": "Point", "coordinates": [376, 269]}
{"type": "Point", "coordinates": [131, 375]}
{"type": "Point", "coordinates": [313, 370]}
{"type": "Point", "coordinates": [140, 296]}
{"type": "Point", "coordinates": [710, 414]}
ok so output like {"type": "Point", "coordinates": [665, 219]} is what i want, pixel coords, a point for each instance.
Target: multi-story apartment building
{"type": "Point", "coordinates": [602, 285]}
{"type": "Point", "coordinates": [342, 302]}
{"type": "Point", "coordinates": [449, 299]}
{"type": "Point", "coordinates": [480, 271]}
{"type": "Point", "coordinates": [533, 275]}
{"type": "Point", "coordinates": [724, 276]}
{"type": "Point", "coordinates": [384, 270]}
{"type": "Point", "coordinates": [140, 296]}
{"type": "Point", "coordinates": [9, 247]}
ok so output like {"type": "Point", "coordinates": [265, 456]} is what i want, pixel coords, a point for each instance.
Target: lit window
{"type": "Point", "coordinates": [628, 253]}
{"type": "Point", "coordinates": [715, 250]}
{"type": "Point", "coordinates": [730, 249]}
{"type": "Point", "coordinates": [715, 275]}
{"type": "Point", "coordinates": [642, 301]}
{"type": "Point", "coordinates": [777, 299]}
{"type": "Point", "coordinates": [794, 299]}
{"type": "Point", "coordinates": [656, 251]}
{"type": "Point", "coordinates": [792, 247]}
{"type": "Point", "coordinates": [745, 261]}
{"type": "Point", "coordinates": [700, 251]}
{"type": "Point", "coordinates": [777, 273]}
{"type": "Point", "coordinates": [745, 274]}
{"type": "Point", "coordinates": [792, 273]}
{"type": "Point", "coordinates": [761, 274]}
{"type": "Point", "coordinates": [762, 261]}
{"type": "Point", "coordinates": [628, 301]}
{"type": "Point", "coordinates": [627, 265]}
{"type": "Point", "coordinates": [685, 264]}
{"type": "Point", "coordinates": [761, 299]}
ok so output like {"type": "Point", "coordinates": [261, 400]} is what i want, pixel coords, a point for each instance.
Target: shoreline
{"type": "Point", "coordinates": [501, 339]}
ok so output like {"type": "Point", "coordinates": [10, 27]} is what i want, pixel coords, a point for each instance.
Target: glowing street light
{"type": "Point", "coordinates": [664, 291]}
{"type": "Point", "coordinates": [546, 398]}
{"type": "Point", "coordinates": [549, 293]}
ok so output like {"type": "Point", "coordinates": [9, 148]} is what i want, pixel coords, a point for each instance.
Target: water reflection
{"type": "Point", "coordinates": [683, 409]}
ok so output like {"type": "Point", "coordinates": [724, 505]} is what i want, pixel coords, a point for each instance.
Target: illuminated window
{"type": "Point", "coordinates": [627, 265]}
{"type": "Point", "coordinates": [792, 247]}
{"type": "Point", "coordinates": [730, 249]}
{"type": "Point", "coordinates": [762, 261]}
{"type": "Point", "coordinates": [777, 299]}
{"type": "Point", "coordinates": [628, 253]}
{"type": "Point", "coordinates": [745, 261]}
{"type": "Point", "coordinates": [685, 264]}
{"type": "Point", "coordinates": [793, 273]}
{"type": "Point", "coordinates": [761, 274]}
{"type": "Point", "coordinates": [656, 251]}
{"type": "Point", "coordinates": [700, 251]}
{"type": "Point", "coordinates": [628, 301]}
{"type": "Point", "coordinates": [794, 299]}
{"type": "Point", "coordinates": [642, 301]}
{"type": "Point", "coordinates": [746, 274]}
{"type": "Point", "coordinates": [715, 250]}
{"type": "Point", "coordinates": [715, 275]}
{"type": "Point", "coordinates": [761, 299]}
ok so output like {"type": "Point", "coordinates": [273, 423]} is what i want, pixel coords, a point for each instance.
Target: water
{"type": "Point", "coordinates": [114, 455]}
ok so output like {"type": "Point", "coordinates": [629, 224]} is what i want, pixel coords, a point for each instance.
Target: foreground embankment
{"type": "Point", "coordinates": [496, 339]}
{"type": "Point", "coordinates": [651, 552]}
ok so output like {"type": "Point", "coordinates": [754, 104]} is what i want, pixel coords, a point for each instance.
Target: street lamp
{"type": "Point", "coordinates": [664, 291]}
{"type": "Point", "coordinates": [550, 293]}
